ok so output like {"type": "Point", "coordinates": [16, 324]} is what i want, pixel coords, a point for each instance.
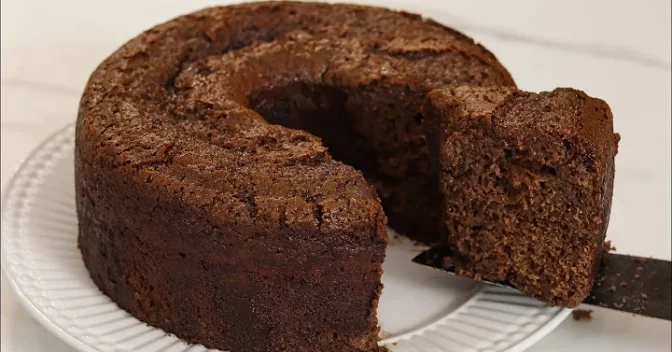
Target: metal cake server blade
{"type": "Point", "coordinates": [625, 283]}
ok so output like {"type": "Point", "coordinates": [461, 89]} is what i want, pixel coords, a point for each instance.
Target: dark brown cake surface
{"type": "Point", "coordinates": [224, 163]}
{"type": "Point", "coordinates": [527, 183]}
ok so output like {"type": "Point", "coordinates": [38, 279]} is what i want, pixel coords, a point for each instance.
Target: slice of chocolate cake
{"type": "Point", "coordinates": [527, 183]}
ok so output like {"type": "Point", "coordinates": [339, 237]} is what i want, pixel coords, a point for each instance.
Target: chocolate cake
{"type": "Point", "coordinates": [226, 162]}
{"type": "Point", "coordinates": [527, 182]}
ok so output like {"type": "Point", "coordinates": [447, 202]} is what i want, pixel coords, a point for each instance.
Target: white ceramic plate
{"type": "Point", "coordinates": [420, 310]}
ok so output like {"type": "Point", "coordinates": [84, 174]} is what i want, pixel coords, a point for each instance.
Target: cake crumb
{"type": "Point", "coordinates": [394, 239]}
{"type": "Point", "coordinates": [624, 284]}
{"type": "Point", "coordinates": [448, 262]}
{"type": "Point", "coordinates": [382, 334]}
{"type": "Point", "coordinates": [608, 247]}
{"type": "Point", "coordinates": [612, 288]}
{"type": "Point", "coordinates": [582, 314]}
{"type": "Point", "coordinates": [644, 296]}
{"type": "Point", "coordinates": [637, 276]}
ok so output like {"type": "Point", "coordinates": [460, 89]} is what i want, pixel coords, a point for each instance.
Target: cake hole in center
{"type": "Point", "coordinates": [371, 129]}
{"type": "Point", "coordinates": [321, 111]}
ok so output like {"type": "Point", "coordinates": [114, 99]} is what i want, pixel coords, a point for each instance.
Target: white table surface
{"type": "Point", "coordinates": [618, 50]}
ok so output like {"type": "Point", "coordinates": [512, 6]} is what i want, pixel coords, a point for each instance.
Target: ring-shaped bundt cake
{"type": "Point", "coordinates": [226, 163]}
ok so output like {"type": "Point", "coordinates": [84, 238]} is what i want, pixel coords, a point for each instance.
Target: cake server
{"type": "Point", "coordinates": [625, 283]}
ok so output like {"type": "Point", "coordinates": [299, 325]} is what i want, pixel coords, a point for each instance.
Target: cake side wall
{"type": "Point", "coordinates": [241, 287]}
{"type": "Point", "coordinates": [598, 128]}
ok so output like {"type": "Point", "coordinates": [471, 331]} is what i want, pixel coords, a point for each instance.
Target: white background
{"type": "Point", "coordinates": [618, 50]}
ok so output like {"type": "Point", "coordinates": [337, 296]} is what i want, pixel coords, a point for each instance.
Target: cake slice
{"type": "Point", "coordinates": [526, 181]}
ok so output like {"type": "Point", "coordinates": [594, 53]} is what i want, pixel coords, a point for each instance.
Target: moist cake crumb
{"type": "Point", "coordinates": [526, 180]}
{"type": "Point", "coordinates": [608, 247]}
{"type": "Point", "coordinates": [448, 262]}
{"type": "Point", "coordinates": [582, 314]}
